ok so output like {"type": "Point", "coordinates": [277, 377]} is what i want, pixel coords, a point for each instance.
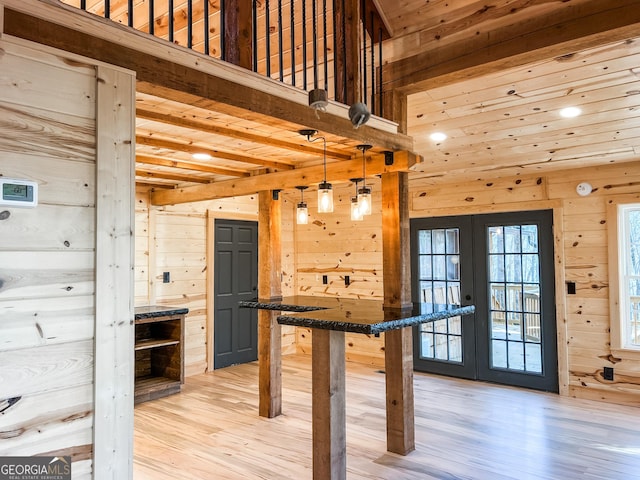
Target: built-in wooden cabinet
{"type": "Point", "coordinates": [159, 351]}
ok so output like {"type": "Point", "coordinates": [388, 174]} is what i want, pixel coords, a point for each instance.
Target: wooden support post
{"type": "Point", "coordinates": [396, 261]}
{"type": "Point", "coordinates": [238, 31]}
{"type": "Point", "coordinates": [269, 288]}
{"type": "Point", "coordinates": [114, 330]}
{"type": "Point", "coordinates": [328, 404]}
{"type": "Point", "coordinates": [348, 58]}
{"type": "Point", "coordinates": [398, 363]}
{"type": "Point", "coordinates": [397, 295]}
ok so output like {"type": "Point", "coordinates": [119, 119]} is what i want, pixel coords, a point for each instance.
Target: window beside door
{"type": "Point", "coordinates": [624, 261]}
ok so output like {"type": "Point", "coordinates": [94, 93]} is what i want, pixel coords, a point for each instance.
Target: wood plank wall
{"type": "Point", "coordinates": [174, 239]}
{"type": "Point", "coordinates": [332, 245]}
{"type": "Point", "coordinates": [66, 334]}
{"type": "Point", "coordinates": [47, 134]}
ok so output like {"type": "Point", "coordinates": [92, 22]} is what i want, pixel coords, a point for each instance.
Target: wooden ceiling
{"type": "Point", "coordinates": [499, 123]}
{"type": "Point", "coordinates": [508, 123]}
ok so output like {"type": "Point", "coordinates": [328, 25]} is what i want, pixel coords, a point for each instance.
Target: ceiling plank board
{"type": "Point", "coordinates": [233, 133]}
{"type": "Point", "coordinates": [154, 184]}
{"type": "Point", "coordinates": [171, 176]}
{"type": "Point", "coordinates": [336, 172]}
{"type": "Point", "coordinates": [165, 162]}
{"type": "Point", "coordinates": [182, 147]}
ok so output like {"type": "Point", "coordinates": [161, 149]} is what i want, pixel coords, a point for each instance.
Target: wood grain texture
{"type": "Point", "coordinates": [328, 406]}
{"type": "Point", "coordinates": [30, 426]}
{"type": "Point", "coordinates": [342, 171]}
{"type": "Point", "coordinates": [396, 259]}
{"type": "Point", "coordinates": [47, 273]}
{"type": "Point", "coordinates": [548, 33]}
{"type": "Point", "coordinates": [269, 287]}
{"type": "Point", "coordinates": [399, 391]}
{"type": "Point", "coordinates": [463, 430]}
{"type": "Point", "coordinates": [114, 260]}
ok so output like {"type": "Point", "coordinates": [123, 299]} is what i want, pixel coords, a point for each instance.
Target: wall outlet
{"type": "Point", "coordinates": [607, 373]}
{"type": "Point", "coordinates": [325, 279]}
{"type": "Point", "coordinates": [347, 280]}
{"type": "Point", "coordinates": [166, 277]}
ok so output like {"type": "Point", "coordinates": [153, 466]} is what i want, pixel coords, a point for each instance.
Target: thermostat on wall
{"type": "Point", "coordinates": [18, 193]}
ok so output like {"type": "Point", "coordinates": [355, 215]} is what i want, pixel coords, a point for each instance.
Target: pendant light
{"type": "Point", "coordinates": [364, 193]}
{"type": "Point", "coordinates": [356, 214]}
{"type": "Point", "coordinates": [325, 190]}
{"type": "Point", "coordinates": [302, 214]}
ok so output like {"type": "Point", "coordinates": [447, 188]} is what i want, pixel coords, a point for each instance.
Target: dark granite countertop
{"type": "Point", "coordinates": [354, 315]}
{"type": "Point", "coordinates": [152, 311]}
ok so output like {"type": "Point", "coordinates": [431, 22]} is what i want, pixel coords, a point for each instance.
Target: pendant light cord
{"type": "Point", "coordinates": [364, 169]}
{"type": "Point", "coordinates": [324, 153]}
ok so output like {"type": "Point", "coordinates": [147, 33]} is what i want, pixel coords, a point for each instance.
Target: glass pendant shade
{"type": "Point", "coordinates": [364, 200]}
{"type": "Point", "coordinates": [325, 198]}
{"type": "Point", "coordinates": [356, 214]}
{"type": "Point", "coordinates": [302, 214]}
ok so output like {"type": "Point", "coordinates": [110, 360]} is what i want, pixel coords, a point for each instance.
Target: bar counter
{"type": "Point", "coordinates": [330, 318]}
{"type": "Point", "coordinates": [354, 315]}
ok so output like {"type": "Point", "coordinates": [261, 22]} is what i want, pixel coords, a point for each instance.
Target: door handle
{"type": "Point", "coordinates": [467, 297]}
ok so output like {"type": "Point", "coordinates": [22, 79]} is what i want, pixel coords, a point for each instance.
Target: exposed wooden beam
{"type": "Point", "coordinates": [147, 183]}
{"type": "Point", "coordinates": [233, 133]}
{"type": "Point", "coordinates": [564, 30]}
{"type": "Point", "coordinates": [166, 70]}
{"type": "Point", "coordinates": [336, 172]}
{"type": "Point", "coordinates": [171, 176]}
{"type": "Point", "coordinates": [198, 167]}
{"type": "Point", "coordinates": [183, 147]}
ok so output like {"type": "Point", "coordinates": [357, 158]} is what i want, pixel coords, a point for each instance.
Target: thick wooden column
{"type": "Point", "coordinates": [328, 404]}
{"type": "Point", "coordinates": [269, 288]}
{"type": "Point", "coordinates": [396, 261]}
{"type": "Point", "coordinates": [347, 58]}
{"type": "Point", "coordinates": [238, 32]}
{"type": "Point", "coordinates": [397, 295]}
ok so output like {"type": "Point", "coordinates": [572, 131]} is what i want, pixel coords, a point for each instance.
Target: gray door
{"type": "Point", "coordinates": [502, 263]}
{"type": "Point", "coordinates": [236, 278]}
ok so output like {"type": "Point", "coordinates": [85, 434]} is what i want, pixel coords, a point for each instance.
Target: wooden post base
{"type": "Point", "coordinates": [399, 385]}
{"type": "Point", "coordinates": [329, 418]}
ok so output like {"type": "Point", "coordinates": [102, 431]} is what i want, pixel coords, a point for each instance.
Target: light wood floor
{"type": "Point", "coordinates": [464, 430]}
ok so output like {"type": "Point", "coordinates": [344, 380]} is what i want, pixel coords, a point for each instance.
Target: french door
{"type": "Point", "coordinates": [502, 264]}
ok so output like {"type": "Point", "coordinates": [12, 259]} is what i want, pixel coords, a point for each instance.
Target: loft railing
{"type": "Point", "coordinates": [304, 43]}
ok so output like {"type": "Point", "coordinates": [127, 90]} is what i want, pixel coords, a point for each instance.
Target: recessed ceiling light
{"type": "Point", "coordinates": [438, 136]}
{"type": "Point", "coordinates": [201, 156]}
{"type": "Point", "coordinates": [570, 112]}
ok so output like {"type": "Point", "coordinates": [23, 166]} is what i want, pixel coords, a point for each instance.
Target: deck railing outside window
{"type": "Point", "coordinates": [634, 321]}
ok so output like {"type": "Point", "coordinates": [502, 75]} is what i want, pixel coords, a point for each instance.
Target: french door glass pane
{"type": "Point", "coordinates": [439, 277]}
{"type": "Point", "coordinates": [514, 289]}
